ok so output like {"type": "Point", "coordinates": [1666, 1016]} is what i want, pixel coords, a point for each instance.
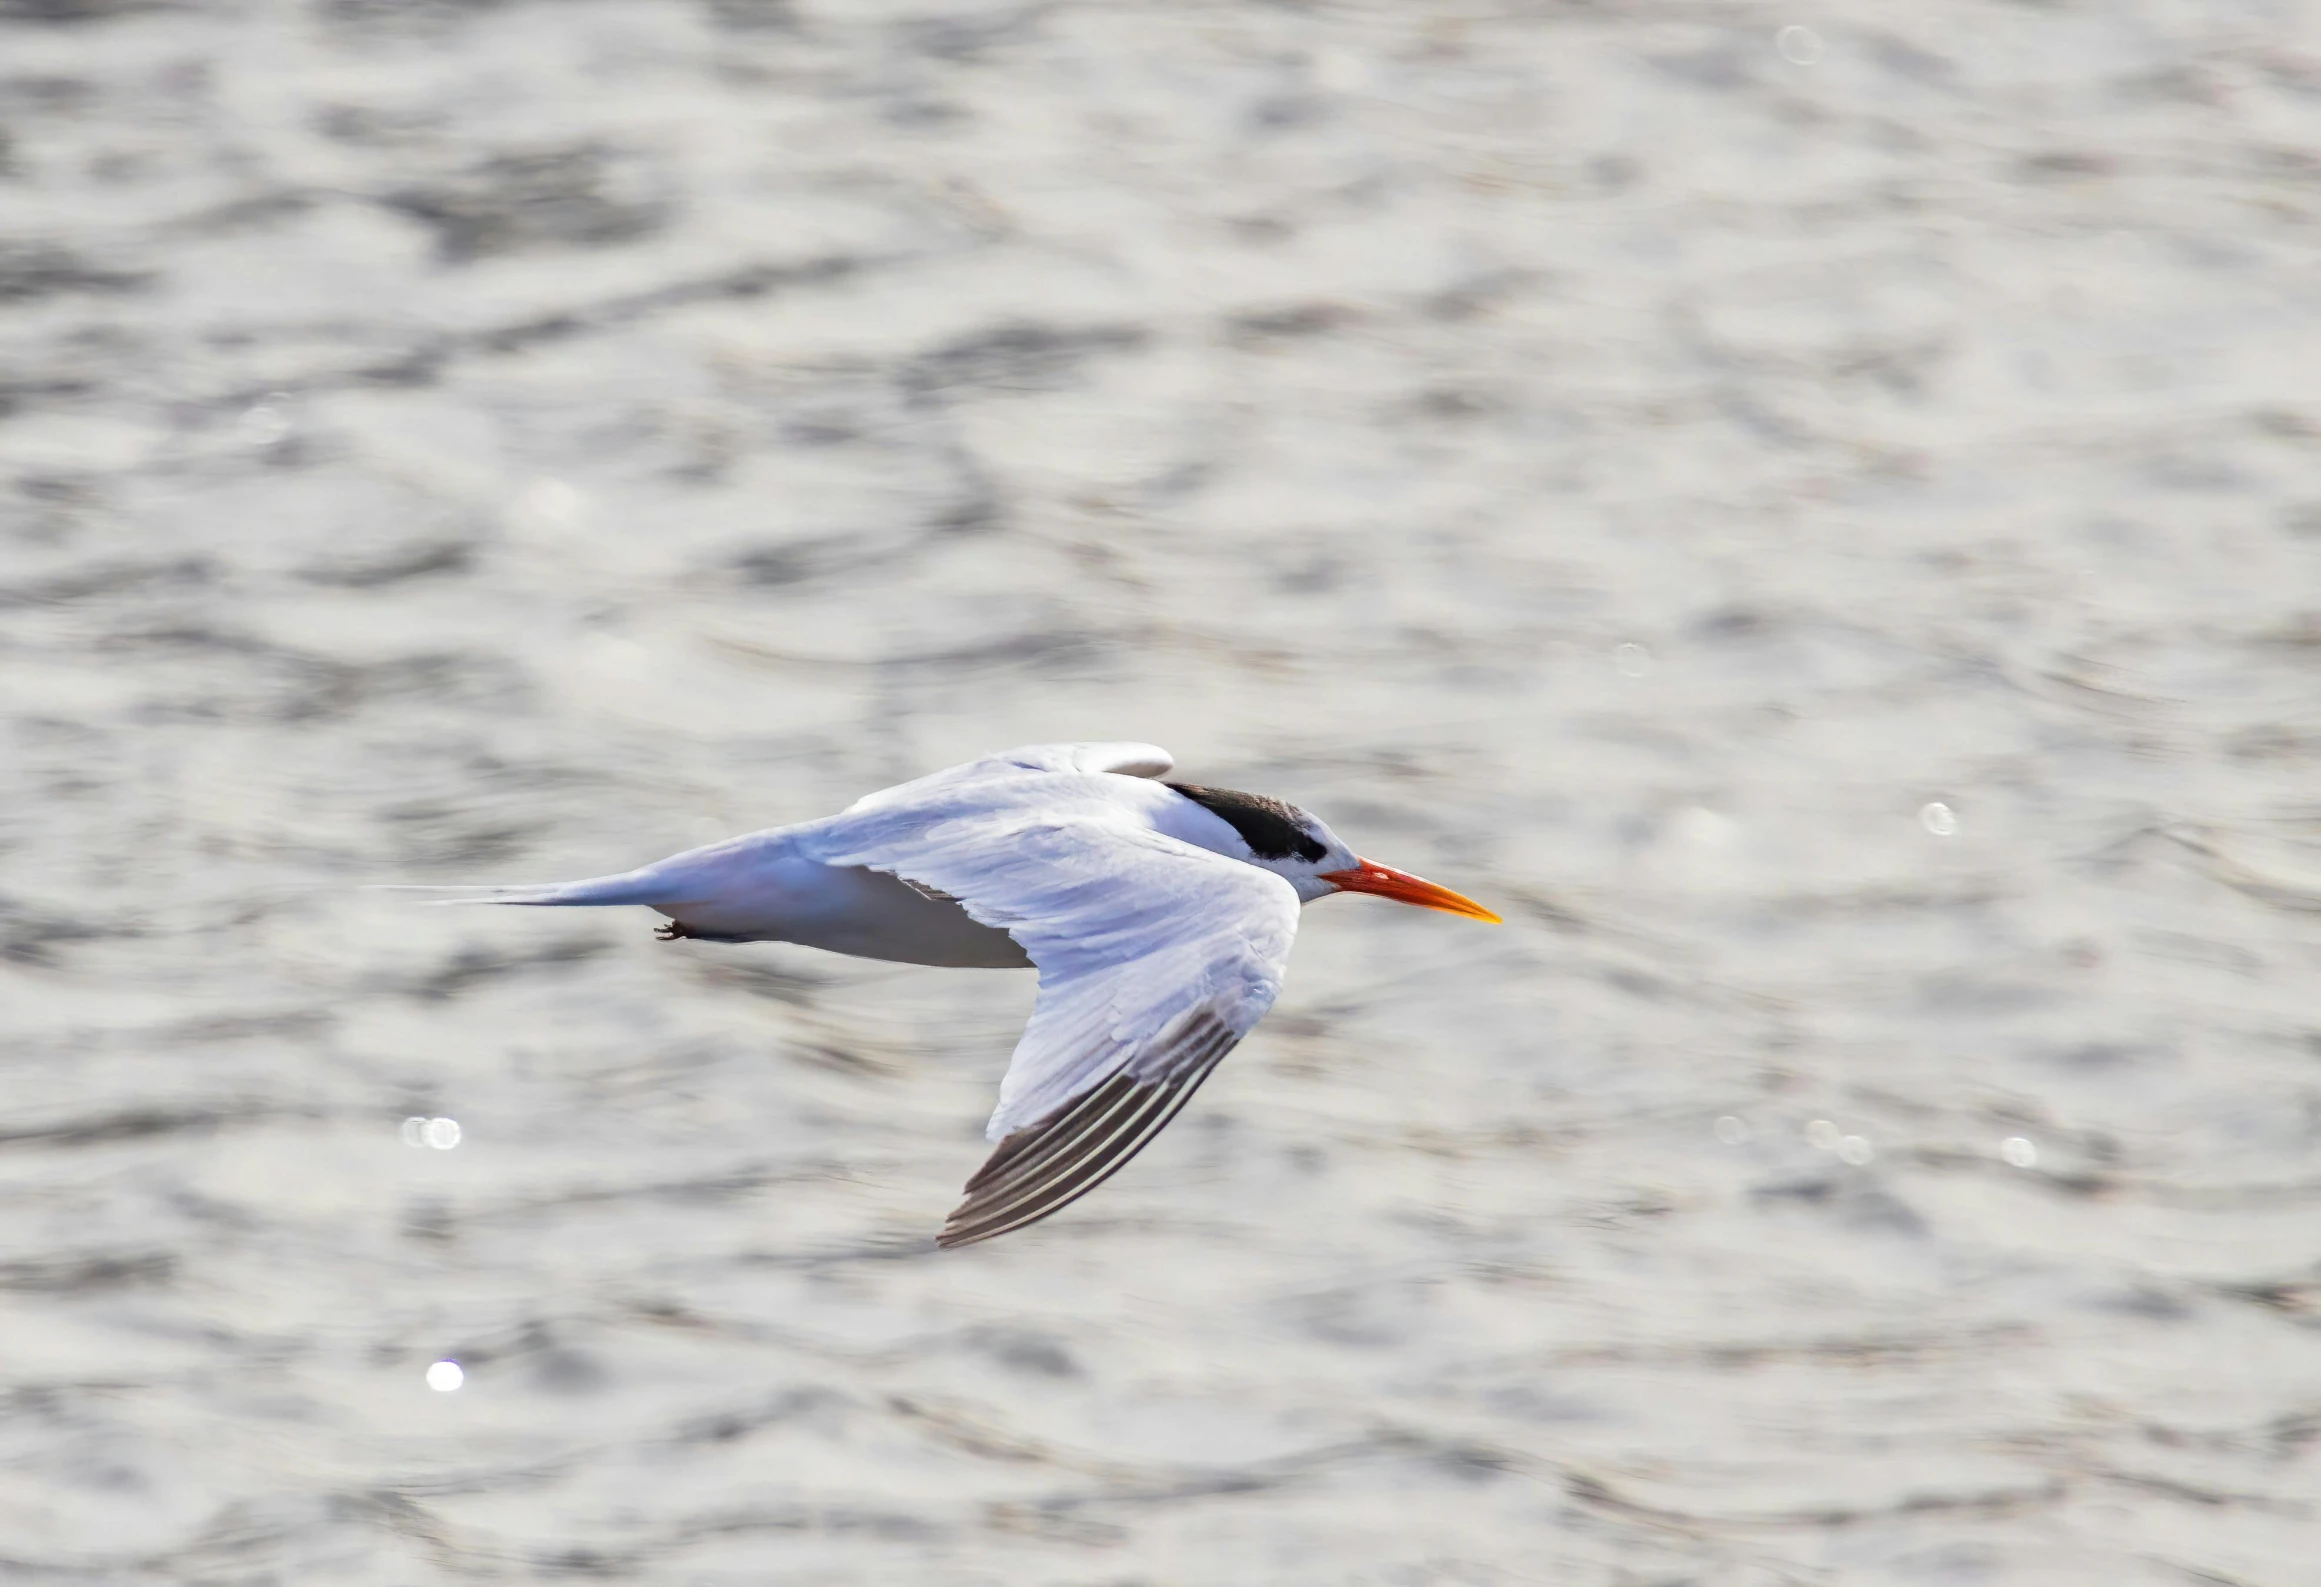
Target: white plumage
{"type": "Point", "coordinates": [1159, 916]}
{"type": "Point", "coordinates": [1136, 932]}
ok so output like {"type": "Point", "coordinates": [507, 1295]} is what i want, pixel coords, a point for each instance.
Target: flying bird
{"type": "Point", "coordinates": [1158, 914]}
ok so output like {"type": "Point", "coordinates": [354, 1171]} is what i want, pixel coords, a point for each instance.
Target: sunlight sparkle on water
{"type": "Point", "coordinates": [1704, 828]}
{"type": "Point", "coordinates": [264, 423]}
{"type": "Point", "coordinates": [442, 1134]}
{"type": "Point", "coordinates": [1798, 46]}
{"type": "Point", "coordinates": [549, 504]}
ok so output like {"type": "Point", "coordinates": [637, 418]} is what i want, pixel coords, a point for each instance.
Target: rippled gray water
{"type": "Point", "coordinates": [1825, 541]}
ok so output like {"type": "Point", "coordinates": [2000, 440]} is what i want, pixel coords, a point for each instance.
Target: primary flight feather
{"type": "Point", "coordinates": [1158, 914]}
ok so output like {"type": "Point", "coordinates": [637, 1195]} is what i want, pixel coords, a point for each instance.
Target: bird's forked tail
{"type": "Point", "coordinates": [630, 887]}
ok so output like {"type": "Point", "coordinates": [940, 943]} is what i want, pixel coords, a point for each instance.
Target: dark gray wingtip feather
{"type": "Point", "coordinates": [1041, 1170]}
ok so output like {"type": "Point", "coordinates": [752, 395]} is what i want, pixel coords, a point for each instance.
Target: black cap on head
{"type": "Point", "coordinates": [1273, 828]}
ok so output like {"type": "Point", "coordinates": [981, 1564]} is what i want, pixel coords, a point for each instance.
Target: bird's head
{"type": "Point", "coordinates": [1299, 848]}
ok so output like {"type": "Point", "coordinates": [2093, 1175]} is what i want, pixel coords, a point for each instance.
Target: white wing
{"type": "Point", "coordinates": [1155, 958]}
{"type": "Point", "coordinates": [1129, 760]}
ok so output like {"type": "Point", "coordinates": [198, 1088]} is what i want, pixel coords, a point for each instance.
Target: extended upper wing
{"type": "Point", "coordinates": [1155, 957]}
{"type": "Point", "coordinates": [1129, 760]}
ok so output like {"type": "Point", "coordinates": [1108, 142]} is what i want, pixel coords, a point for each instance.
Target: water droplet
{"type": "Point", "coordinates": [1938, 818]}
{"type": "Point", "coordinates": [442, 1134]}
{"type": "Point", "coordinates": [1823, 1134]}
{"type": "Point", "coordinates": [1731, 1130]}
{"type": "Point", "coordinates": [2019, 1151]}
{"type": "Point", "coordinates": [1856, 1149]}
{"type": "Point", "coordinates": [1633, 660]}
{"type": "Point", "coordinates": [414, 1132]}
{"type": "Point", "coordinates": [445, 1377]}
{"type": "Point", "coordinates": [1798, 46]}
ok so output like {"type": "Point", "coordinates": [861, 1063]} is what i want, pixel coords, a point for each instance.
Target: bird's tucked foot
{"type": "Point", "coordinates": [670, 931]}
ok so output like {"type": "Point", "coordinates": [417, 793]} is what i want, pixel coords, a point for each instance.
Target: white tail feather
{"type": "Point", "coordinates": [631, 887]}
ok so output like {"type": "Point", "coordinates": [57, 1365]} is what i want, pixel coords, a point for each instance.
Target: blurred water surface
{"type": "Point", "coordinates": [1813, 513]}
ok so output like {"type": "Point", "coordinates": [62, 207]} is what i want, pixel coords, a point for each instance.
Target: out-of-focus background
{"type": "Point", "coordinates": [1812, 511]}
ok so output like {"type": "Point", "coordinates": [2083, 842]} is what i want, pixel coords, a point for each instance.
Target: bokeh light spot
{"type": "Point", "coordinates": [262, 424]}
{"type": "Point", "coordinates": [549, 504]}
{"type": "Point", "coordinates": [1704, 828]}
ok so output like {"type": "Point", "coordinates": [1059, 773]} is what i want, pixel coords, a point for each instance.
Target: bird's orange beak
{"type": "Point", "coordinates": [1368, 876]}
